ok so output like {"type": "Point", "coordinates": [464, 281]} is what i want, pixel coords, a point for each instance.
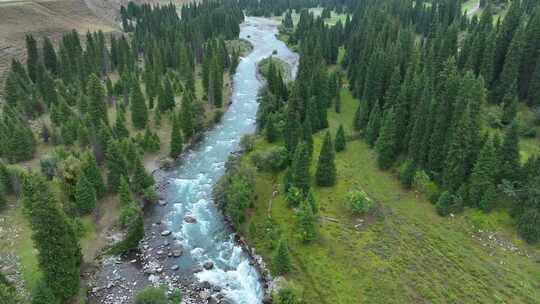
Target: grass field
{"type": "Point", "coordinates": [334, 17]}
{"type": "Point", "coordinates": [405, 252]}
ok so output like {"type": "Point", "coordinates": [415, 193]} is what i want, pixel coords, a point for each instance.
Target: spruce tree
{"type": "Point", "coordinates": [139, 112]}
{"type": "Point", "coordinates": [59, 254]}
{"type": "Point", "coordinates": [281, 260]}
{"type": "Point", "coordinates": [307, 222]}
{"type": "Point", "coordinates": [85, 196]}
{"type": "Point", "coordinates": [483, 173]}
{"type": "Point", "coordinates": [386, 144]}
{"type": "Point", "coordinates": [510, 71]}
{"type": "Point", "coordinates": [340, 139]}
{"type": "Point", "coordinates": [444, 204]}
{"type": "Point", "coordinates": [300, 168]}
{"type": "Point", "coordinates": [455, 171]}
{"type": "Point", "coordinates": [271, 133]}
{"type": "Point", "coordinates": [120, 130]}
{"type": "Point", "coordinates": [116, 165]}
{"type": "Point", "coordinates": [141, 179]}
{"type": "Point", "coordinates": [488, 199]}
{"type": "Point", "coordinates": [97, 106]}
{"type": "Point", "coordinates": [49, 56]}
{"type": "Point", "coordinates": [177, 141]}
{"type": "Point", "coordinates": [166, 97]}
{"type": "Point", "coordinates": [374, 125]}
{"type": "Point", "coordinates": [92, 173]}
{"type": "Point", "coordinates": [510, 108]}
{"type": "Point", "coordinates": [326, 168]}
{"type": "Point", "coordinates": [32, 57]}
{"type": "Point", "coordinates": [187, 115]}
{"type": "Point", "coordinates": [509, 154]}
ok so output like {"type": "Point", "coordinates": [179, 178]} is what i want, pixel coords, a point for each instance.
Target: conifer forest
{"type": "Point", "coordinates": [273, 152]}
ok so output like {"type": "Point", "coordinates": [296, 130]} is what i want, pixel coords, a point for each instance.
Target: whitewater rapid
{"type": "Point", "coordinates": [190, 190]}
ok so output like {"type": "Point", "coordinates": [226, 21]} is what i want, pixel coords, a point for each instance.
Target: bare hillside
{"type": "Point", "coordinates": [52, 18]}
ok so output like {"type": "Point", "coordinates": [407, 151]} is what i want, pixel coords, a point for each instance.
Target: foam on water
{"type": "Point", "coordinates": [209, 239]}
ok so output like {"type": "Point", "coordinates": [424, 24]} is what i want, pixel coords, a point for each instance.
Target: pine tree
{"type": "Point", "coordinates": [534, 86]}
{"type": "Point", "coordinates": [85, 196]}
{"type": "Point", "coordinates": [215, 92]}
{"type": "Point", "coordinates": [49, 56]}
{"type": "Point", "coordinates": [116, 165]}
{"type": "Point", "coordinates": [307, 222]}
{"type": "Point", "coordinates": [271, 133]}
{"type": "Point", "coordinates": [374, 125]}
{"type": "Point", "coordinates": [166, 97]}
{"type": "Point", "coordinates": [488, 199]}
{"type": "Point", "coordinates": [139, 112]}
{"type": "Point", "coordinates": [177, 141]}
{"type": "Point", "coordinates": [187, 115]}
{"type": "Point", "coordinates": [510, 108]}
{"type": "Point", "coordinates": [510, 71]}
{"type": "Point", "coordinates": [509, 154]}
{"type": "Point", "coordinates": [326, 168]}
{"type": "Point", "coordinates": [120, 130]}
{"type": "Point", "coordinates": [92, 173]}
{"type": "Point", "coordinates": [300, 168]}
{"type": "Point", "coordinates": [340, 139]}
{"type": "Point", "coordinates": [32, 57]}
{"type": "Point", "coordinates": [483, 174]}
{"type": "Point", "coordinates": [529, 217]}
{"type": "Point", "coordinates": [455, 170]}
{"type": "Point", "coordinates": [444, 204]}
{"type": "Point", "coordinates": [307, 136]}
{"type": "Point", "coordinates": [59, 253]}
{"type": "Point", "coordinates": [141, 179]}
{"type": "Point", "coordinates": [281, 259]}
{"type": "Point", "coordinates": [97, 107]}
{"type": "Point", "coordinates": [387, 142]}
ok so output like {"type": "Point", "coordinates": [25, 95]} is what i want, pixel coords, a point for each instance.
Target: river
{"type": "Point", "coordinates": [190, 184]}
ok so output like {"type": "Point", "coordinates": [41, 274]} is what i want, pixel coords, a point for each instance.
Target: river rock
{"type": "Point", "coordinates": [177, 253]}
{"type": "Point", "coordinates": [162, 203]}
{"type": "Point", "coordinates": [166, 233]}
{"type": "Point", "coordinates": [267, 299]}
{"type": "Point", "coordinates": [208, 265]}
{"type": "Point", "coordinates": [190, 220]}
{"type": "Point", "coordinates": [175, 267]}
{"type": "Point", "coordinates": [213, 300]}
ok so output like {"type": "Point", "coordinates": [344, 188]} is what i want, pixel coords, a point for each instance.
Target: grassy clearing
{"type": "Point", "coordinates": [334, 17]}
{"type": "Point", "coordinates": [405, 253]}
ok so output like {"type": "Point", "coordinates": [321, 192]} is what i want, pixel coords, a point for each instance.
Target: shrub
{"type": "Point", "coordinates": [218, 114]}
{"type": "Point", "coordinates": [294, 196]}
{"type": "Point", "coordinates": [358, 202]}
{"type": "Point", "coordinates": [449, 203]}
{"type": "Point", "coordinates": [406, 174]}
{"type": "Point", "coordinates": [287, 296]}
{"type": "Point", "coordinates": [271, 160]}
{"type": "Point", "coordinates": [247, 142]}
{"type": "Point", "coordinates": [423, 183]}
{"type": "Point", "coordinates": [151, 295]}
{"type": "Point", "coordinates": [48, 165]}
{"type": "Point", "coordinates": [527, 130]}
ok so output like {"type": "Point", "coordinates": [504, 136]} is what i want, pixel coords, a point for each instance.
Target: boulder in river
{"type": "Point", "coordinates": [166, 233]}
{"type": "Point", "coordinates": [208, 265]}
{"type": "Point", "coordinates": [190, 220]}
{"type": "Point", "coordinates": [177, 253]}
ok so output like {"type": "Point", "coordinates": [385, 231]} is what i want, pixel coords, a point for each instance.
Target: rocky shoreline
{"type": "Point", "coordinates": [118, 278]}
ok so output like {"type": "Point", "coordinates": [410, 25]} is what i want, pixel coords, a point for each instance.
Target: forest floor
{"type": "Point", "coordinates": [403, 252]}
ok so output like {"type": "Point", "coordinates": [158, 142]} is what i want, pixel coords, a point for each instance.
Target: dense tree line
{"type": "Point", "coordinates": [96, 100]}
{"type": "Point", "coordinates": [425, 75]}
